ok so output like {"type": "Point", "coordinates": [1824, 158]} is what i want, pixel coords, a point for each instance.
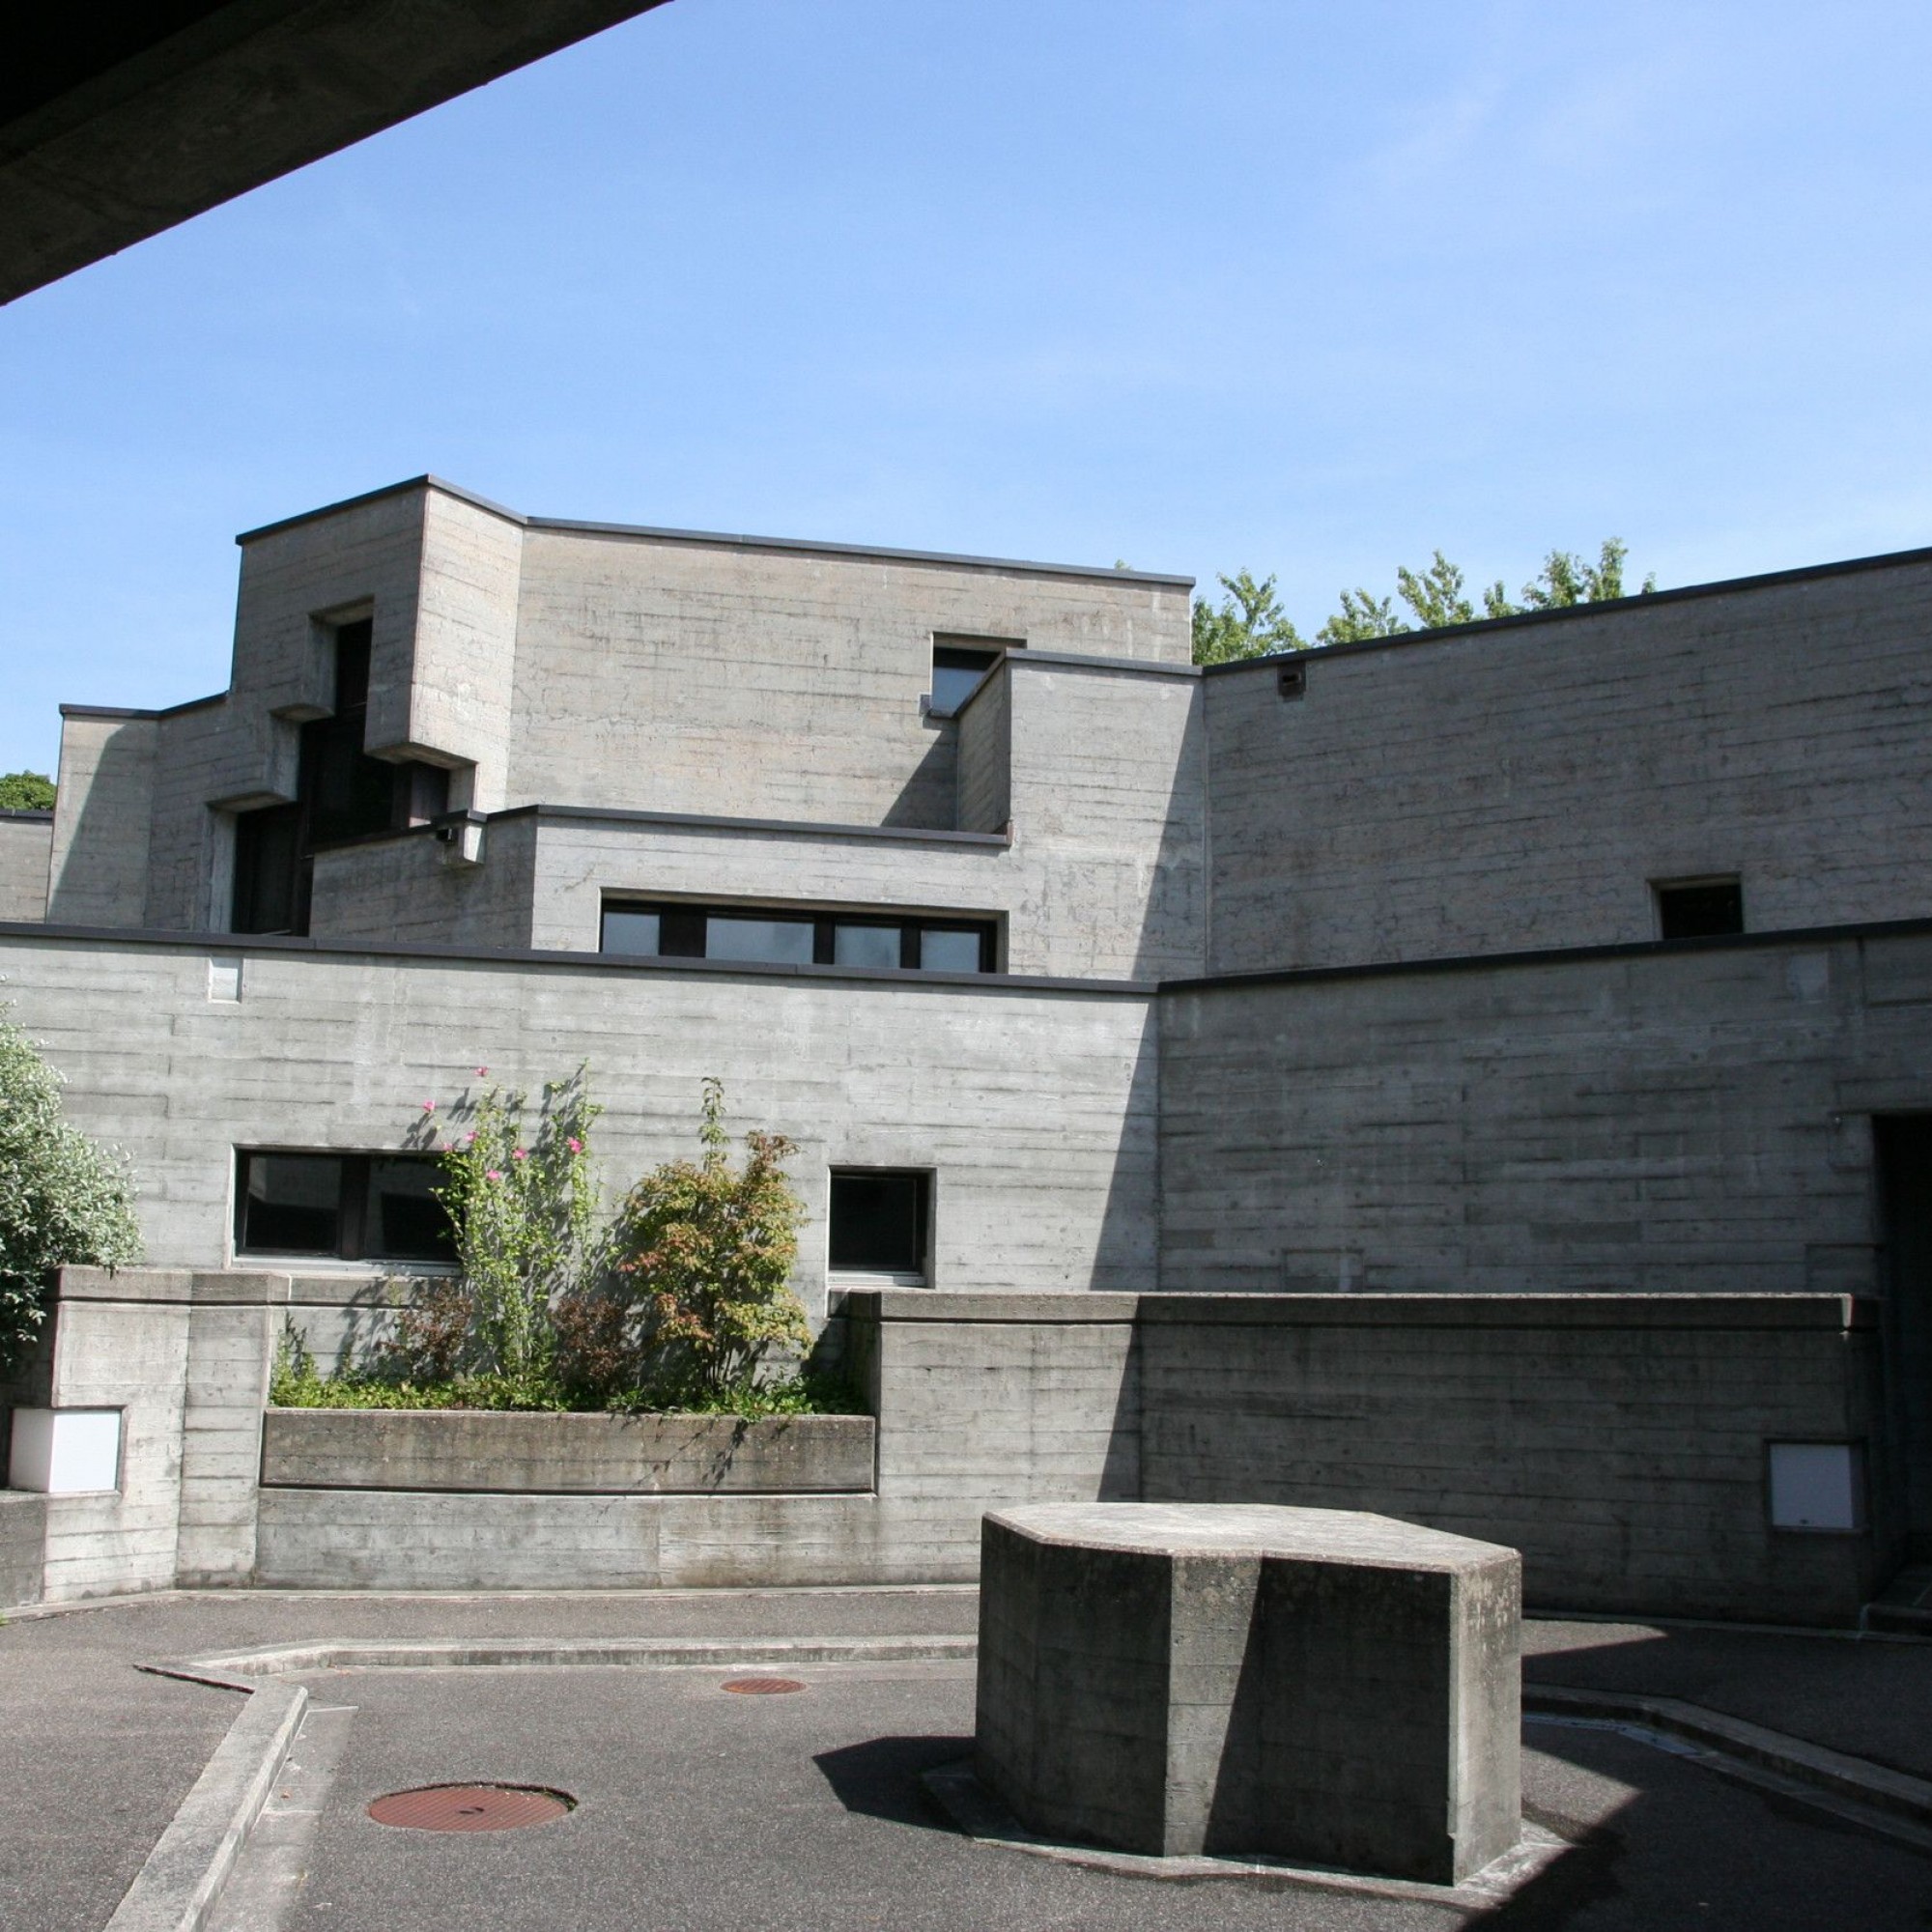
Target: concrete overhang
{"type": "Point", "coordinates": [120, 120]}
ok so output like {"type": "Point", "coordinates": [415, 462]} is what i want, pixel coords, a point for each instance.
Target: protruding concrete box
{"type": "Point", "coordinates": [1316, 1685]}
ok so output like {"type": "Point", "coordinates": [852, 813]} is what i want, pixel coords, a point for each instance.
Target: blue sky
{"type": "Point", "coordinates": [1194, 283]}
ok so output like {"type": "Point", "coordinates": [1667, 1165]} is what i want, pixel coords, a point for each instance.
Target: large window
{"type": "Point", "coordinates": [904, 942]}
{"type": "Point", "coordinates": [341, 1207]}
{"type": "Point", "coordinates": [879, 1221]}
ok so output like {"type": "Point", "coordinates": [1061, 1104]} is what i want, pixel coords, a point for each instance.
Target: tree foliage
{"type": "Point", "coordinates": [26, 791]}
{"type": "Point", "coordinates": [1249, 621]}
{"type": "Point", "coordinates": [699, 1289]}
{"type": "Point", "coordinates": [63, 1200]}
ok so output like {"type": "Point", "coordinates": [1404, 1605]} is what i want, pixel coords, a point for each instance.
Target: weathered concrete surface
{"type": "Point", "coordinates": [340, 1050]}
{"type": "Point", "coordinates": [610, 1455]}
{"type": "Point", "coordinates": [23, 1535]}
{"type": "Point", "coordinates": [1617, 1440]}
{"type": "Point", "coordinates": [1489, 790]}
{"type": "Point", "coordinates": [1660, 1120]}
{"type": "Point", "coordinates": [26, 847]}
{"type": "Point", "coordinates": [143, 117]}
{"type": "Point", "coordinates": [1321, 1686]}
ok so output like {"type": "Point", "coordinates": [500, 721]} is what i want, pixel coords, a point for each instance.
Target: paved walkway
{"type": "Point", "coordinates": [702, 1810]}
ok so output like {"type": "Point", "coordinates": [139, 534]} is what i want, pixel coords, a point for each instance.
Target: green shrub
{"type": "Point", "coordinates": [63, 1200]}
{"type": "Point", "coordinates": [523, 1204]}
{"type": "Point", "coordinates": [698, 1289]}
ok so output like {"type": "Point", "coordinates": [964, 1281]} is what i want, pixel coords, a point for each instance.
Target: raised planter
{"type": "Point", "coordinates": [487, 1450]}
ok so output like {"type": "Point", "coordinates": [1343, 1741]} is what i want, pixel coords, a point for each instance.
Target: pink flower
{"type": "Point", "coordinates": [517, 1153]}
{"type": "Point", "coordinates": [482, 1073]}
{"type": "Point", "coordinates": [493, 1173]}
{"type": "Point", "coordinates": [470, 1138]}
{"type": "Point", "coordinates": [429, 1106]}
{"type": "Point", "coordinates": [574, 1145]}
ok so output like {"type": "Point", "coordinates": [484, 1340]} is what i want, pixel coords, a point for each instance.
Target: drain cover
{"type": "Point", "coordinates": [762, 1687]}
{"type": "Point", "coordinates": [471, 1807]}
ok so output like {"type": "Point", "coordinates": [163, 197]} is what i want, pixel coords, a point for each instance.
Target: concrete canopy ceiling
{"type": "Point", "coordinates": [119, 119]}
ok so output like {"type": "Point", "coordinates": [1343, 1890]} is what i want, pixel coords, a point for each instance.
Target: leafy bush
{"type": "Point", "coordinates": [699, 1284]}
{"type": "Point", "coordinates": [63, 1200]}
{"type": "Point", "coordinates": [522, 1200]}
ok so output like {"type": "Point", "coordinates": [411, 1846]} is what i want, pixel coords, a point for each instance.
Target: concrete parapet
{"type": "Point", "coordinates": [602, 1455]}
{"type": "Point", "coordinates": [1321, 1686]}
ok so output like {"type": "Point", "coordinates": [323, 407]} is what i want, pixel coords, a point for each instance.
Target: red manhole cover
{"type": "Point", "coordinates": [471, 1807]}
{"type": "Point", "coordinates": [762, 1687]}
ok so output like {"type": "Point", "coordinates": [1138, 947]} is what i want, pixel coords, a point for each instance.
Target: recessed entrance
{"type": "Point", "coordinates": [1903, 1147]}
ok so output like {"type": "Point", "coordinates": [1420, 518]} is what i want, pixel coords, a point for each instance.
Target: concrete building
{"type": "Point", "coordinates": [1579, 961]}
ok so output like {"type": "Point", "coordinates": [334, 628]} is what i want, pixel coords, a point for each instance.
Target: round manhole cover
{"type": "Point", "coordinates": [762, 1687]}
{"type": "Point", "coordinates": [471, 1807]}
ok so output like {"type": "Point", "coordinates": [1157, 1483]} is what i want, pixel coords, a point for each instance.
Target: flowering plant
{"type": "Point", "coordinates": [523, 1205]}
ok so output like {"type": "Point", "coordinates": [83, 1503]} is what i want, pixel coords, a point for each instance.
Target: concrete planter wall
{"type": "Point", "coordinates": [473, 1451]}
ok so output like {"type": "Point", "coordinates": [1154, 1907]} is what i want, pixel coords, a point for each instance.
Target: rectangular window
{"type": "Point", "coordinates": [879, 1221]}
{"type": "Point", "coordinates": [341, 1207]}
{"type": "Point", "coordinates": [959, 662]}
{"type": "Point", "coordinates": [1699, 908]}
{"type": "Point", "coordinates": [882, 942]}
{"type": "Point", "coordinates": [772, 942]}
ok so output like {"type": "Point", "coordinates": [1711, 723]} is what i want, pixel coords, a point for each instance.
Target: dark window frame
{"type": "Point", "coordinates": [352, 1205]}
{"type": "Point", "coordinates": [682, 933]}
{"type": "Point", "coordinates": [958, 651]}
{"type": "Point", "coordinates": [1686, 907]}
{"type": "Point", "coordinates": [925, 1182]}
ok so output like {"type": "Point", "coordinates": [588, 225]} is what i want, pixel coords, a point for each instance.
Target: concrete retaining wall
{"type": "Point", "coordinates": [1618, 1441]}
{"type": "Point", "coordinates": [606, 1455]}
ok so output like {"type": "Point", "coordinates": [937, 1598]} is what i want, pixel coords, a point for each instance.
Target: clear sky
{"type": "Point", "coordinates": [1196, 284]}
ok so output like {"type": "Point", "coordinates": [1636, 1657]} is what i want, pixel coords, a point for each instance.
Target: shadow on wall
{"type": "Point", "coordinates": [927, 801]}
{"type": "Point", "coordinates": [100, 851]}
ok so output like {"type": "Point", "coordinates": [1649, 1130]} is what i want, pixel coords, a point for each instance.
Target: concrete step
{"type": "Point", "coordinates": [1904, 1607]}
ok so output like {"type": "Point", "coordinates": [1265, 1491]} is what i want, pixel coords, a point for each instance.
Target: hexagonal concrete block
{"type": "Point", "coordinates": [1321, 1686]}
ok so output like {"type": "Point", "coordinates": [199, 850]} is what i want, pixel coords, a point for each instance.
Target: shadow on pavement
{"type": "Point", "coordinates": [881, 1778]}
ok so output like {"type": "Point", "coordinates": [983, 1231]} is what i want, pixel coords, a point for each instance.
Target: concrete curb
{"type": "Point", "coordinates": [242, 1670]}
{"type": "Point", "coordinates": [1867, 1785]}
{"type": "Point", "coordinates": [176, 1888]}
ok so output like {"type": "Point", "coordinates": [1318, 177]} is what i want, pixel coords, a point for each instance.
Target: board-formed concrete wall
{"type": "Point", "coordinates": [1620, 1442]}
{"type": "Point", "coordinates": [670, 674]}
{"type": "Point", "coordinates": [1032, 1104]}
{"type": "Point", "coordinates": [1522, 785]}
{"type": "Point", "coordinates": [26, 844]}
{"type": "Point", "coordinates": [1694, 1117]}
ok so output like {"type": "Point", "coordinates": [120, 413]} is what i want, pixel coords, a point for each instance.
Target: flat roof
{"type": "Point", "coordinates": [1767, 579]}
{"type": "Point", "coordinates": [724, 540]}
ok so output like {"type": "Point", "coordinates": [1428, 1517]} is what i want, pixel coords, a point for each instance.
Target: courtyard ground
{"type": "Point", "coordinates": [699, 1809]}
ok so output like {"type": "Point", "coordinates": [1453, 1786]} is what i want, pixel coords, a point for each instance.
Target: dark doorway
{"type": "Point", "coordinates": [1904, 1151]}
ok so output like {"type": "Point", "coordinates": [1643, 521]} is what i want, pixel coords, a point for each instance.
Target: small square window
{"type": "Point", "coordinates": [1700, 909]}
{"type": "Point", "coordinates": [635, 932]}
{"type": "Point", "coordinates": [879, 1221]}
{"type": "Point", "coordinates": [290, 1204]}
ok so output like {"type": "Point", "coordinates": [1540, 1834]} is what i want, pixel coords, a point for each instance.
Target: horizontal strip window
{"type": "Point", "coordinates": [341, 1207]}
{"type": "Point", "coordinates": [892, 942]}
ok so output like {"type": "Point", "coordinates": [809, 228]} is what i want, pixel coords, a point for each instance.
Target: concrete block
{"type": "Point", "coordinates": [1321, 1686]}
